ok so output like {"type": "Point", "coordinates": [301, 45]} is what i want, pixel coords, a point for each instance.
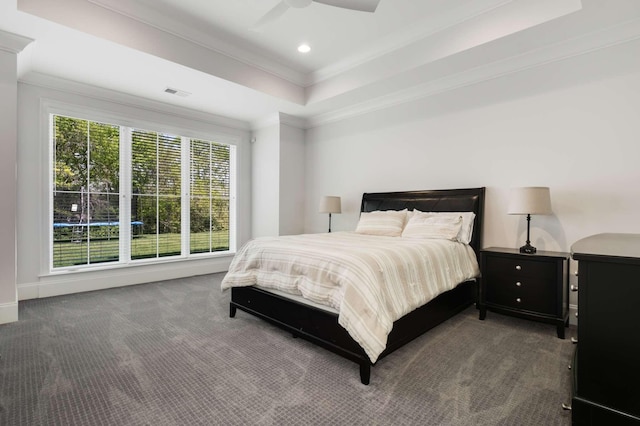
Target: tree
{"type": "Point", "coordinates": [86, 170]}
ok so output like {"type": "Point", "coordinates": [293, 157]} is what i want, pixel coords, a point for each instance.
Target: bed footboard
{"type": "Point", "coordinates": [316, 325]}
{"type": "Point", "coordinates": [322, 328]}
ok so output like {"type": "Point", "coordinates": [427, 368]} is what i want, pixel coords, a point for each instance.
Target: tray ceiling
{"type": "Point", "coordinates": [358, 60]}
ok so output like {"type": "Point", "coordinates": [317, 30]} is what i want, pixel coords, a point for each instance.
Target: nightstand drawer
{"type": "Point", "coordinates": [529, 294]}
{"type": "Point", "coordinates": [500, 266]}
{"type": "Point", "coordinates": [532, 286]}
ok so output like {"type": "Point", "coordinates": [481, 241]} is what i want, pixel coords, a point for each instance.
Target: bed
{"type": "Point", "coordinates": [321, 326]}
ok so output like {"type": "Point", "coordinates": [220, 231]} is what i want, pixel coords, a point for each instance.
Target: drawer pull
{"type": "Point", "coordinates": [518, 267]}
{"type": "Point", "coordinates": [574, 287]}
{"type": "Point", "coordinates": [518, 284]}
{"type": "Point", "coordinates": [518, 300]}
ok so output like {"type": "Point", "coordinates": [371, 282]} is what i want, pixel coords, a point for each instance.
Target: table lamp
{"type": "Point", "coordinates": [529, 200]}
{"type": "Point", "coordinates": [330, 204]}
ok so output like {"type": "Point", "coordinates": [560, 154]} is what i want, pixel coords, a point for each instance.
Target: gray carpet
{"type": "Point", "coordinates": [168, 354]}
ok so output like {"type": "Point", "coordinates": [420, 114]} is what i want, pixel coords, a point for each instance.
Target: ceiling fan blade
{"type": "Point", "coordinates": [272, 15]}
{"type": "Point", "coordinates": [361, 5]}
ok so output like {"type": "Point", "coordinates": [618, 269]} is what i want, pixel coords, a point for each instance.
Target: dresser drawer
{"type": "Point", "coordinates": [519, 267]}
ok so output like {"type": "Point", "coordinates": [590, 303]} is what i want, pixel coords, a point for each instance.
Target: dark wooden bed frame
{"type": "Point", "coordinates": [321, 327]}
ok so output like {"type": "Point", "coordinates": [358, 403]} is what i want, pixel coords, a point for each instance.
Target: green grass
{"type": "Point", "coordinates": [66, 253]}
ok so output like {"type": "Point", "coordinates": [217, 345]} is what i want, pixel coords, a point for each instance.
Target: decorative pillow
{"type": "Point", "coordinates": [424, 225]}
{"type": "Point", "coordinates": [388, 222]}
{"type": "Point", "coordinates": [466, 230]}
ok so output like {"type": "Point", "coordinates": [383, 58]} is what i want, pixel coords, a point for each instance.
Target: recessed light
{"type": "Point", "coordinates": [304, 48]}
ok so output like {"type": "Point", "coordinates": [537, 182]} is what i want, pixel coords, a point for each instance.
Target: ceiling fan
{"type": "Point", "coordinates": [279, 9]}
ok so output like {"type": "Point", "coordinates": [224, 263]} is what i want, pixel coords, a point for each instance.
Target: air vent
{"type": "Point", "coordinates": [176, 92]}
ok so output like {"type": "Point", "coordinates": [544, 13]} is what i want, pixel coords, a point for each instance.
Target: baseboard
{"type": "Point", "coordinates": [77, 282]}
{"type": "Point", "coordinates": [28, 291]}
{"type": "Point", "coordinates": [8, 312]}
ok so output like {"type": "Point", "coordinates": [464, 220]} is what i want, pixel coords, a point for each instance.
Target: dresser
{"type": "Point", "coordinates": [531, 286]}
{"type": "Point", "coordinates": [606, 365]}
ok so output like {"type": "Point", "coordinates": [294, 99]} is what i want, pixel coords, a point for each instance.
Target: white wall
{"type": "Point", "coordinates": [277, 180]}
{"type": "Point", "coordinates": [292, 185]}
{"type": "Point", "coordinates": [33, 276]}
{"type": "Point", "coordinates": [571, 125]}
{"type": "Point", "coordinates": [265, 181]}
{"type": "Point", "coordinates": [8, 148]}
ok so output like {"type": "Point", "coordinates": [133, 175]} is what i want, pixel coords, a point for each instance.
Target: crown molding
{"type": "Point", "coordinates": [426, 28]}
{"type": "Point", "coordinates": [293, 121]}
{"type": "Point", "coordinates": [501, 25]}
{"type": "Point", "coordinates": [625, 32]}
{"type": "Point", "coordinates": [278, 118]}
{"type": "Point", "coordinates": [130, 32]}
{"type": "Point", "coordinates": [193, 35]}
{"type": "Point", "coordinates": [128, 100]}
{"type": "Point", "coordinates": [13, 43]}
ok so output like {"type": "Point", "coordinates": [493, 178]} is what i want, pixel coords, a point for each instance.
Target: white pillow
{"type": "Point", "coordinates": [424, 225]}
{"type": "Point", "coordinates": [466, 230]}
{"type": "Point", "coordinates": [388, 222]}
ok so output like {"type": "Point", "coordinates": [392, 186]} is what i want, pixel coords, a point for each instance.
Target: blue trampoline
{"type": "Point", "coordinates": [73, 225]}
{"type": "Point", "coordinates": [78, 230]}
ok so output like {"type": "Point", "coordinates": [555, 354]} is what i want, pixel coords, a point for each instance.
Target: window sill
{"type": "Point", "coordinates": [100, 278]}
{"type": "Point", "coordinates": [136, 264]}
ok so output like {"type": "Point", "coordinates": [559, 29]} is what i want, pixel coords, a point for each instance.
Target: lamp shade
{"type": "Point", "coordinates": [330, 204]}
{"type": "Point", "coordinates": [530, 200]}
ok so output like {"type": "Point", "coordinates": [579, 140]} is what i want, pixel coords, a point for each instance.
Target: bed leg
{"type": "Point", "coordinates": [232, 311]}
{"type": "Point", "coordinates": [483, 312]}
{"type": "Point", "coordinates": [365, 372]}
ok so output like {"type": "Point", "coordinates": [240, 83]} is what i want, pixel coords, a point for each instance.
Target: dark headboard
{"type": "Point", "coordinates": [440, 200]}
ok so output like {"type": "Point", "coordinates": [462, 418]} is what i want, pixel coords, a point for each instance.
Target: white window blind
{"type": "Point", "coordinates": [210, 174]}
{"type": "Point", "coordinates": [156, 194]}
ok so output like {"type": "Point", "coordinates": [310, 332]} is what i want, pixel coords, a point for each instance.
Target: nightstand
{"type": "Point", "coordinates": [531, 286]}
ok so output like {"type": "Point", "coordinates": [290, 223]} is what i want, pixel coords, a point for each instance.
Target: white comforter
{"type": "Point", "coordinates": [370, 280]}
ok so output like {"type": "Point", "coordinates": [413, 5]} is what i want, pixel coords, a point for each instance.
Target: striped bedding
{"type": "Point", "coordinates": [370, 280]}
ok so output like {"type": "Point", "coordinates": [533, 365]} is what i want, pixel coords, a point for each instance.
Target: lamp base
{"type": "Point", "coordinates": [528, 248]}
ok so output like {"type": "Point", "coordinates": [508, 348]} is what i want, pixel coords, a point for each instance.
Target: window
{"type": "Point", "coordinates": [124, 194]}
{"type": "Point", "coordinates": [156, 188]}
{"type": "Point", "coordinates": [209, 196]}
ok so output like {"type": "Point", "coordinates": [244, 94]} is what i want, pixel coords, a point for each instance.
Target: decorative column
{"type": "Point", "coordinates": [10, 45]}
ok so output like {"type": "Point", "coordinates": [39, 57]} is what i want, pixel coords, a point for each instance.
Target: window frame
{"type": "Point", "coordinates": [127, 124]}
